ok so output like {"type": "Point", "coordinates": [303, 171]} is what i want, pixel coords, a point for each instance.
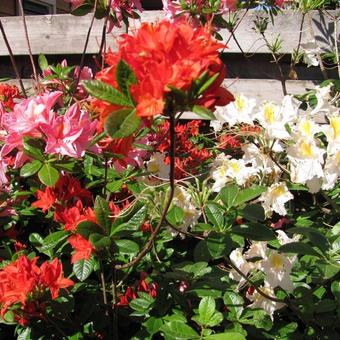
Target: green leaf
{"type": "Point", "coordinates": [206, 309]}
{"type": "Point", "coordinates": [33, 148]}
{"type": "Point", "coordinates": [178, 330]}
{"type": "Point", "coordinates": [175, 216]}
{"type": "Point", "coordinates": [208, 83]}
{"type": "Point", "coordinates": [215, 320]}
{"type": "Point", "coordinates": [299, 248]}
{"type": "Point", "coordinates": [248, 194]}
{"type": "Point", "coordinates": [30, 169]}
{"type": "Point", "coordinates": [127, 247]}
{"type": "Point", "coordinates": [226, 336]}
{"type": "Point", "coordinates": [315, 236]}
{"type": "Point", "coordinates": [122, 123]}
{"type": "Point", "coordinates": [234, 303]}
{"type": "Point", "coordinates": [215, 214]}
{"type": "Point", "coordinates": [86, 228]}
{"type": "Point", "coordinates": [43, 63]}
{"type": "Point", "coordinates": [254, 231]}
{"type": "Point", "coordinates": [253, 212]}
{"type": "Point", "coordinates": [106, 92]}
{"type": "Point", "coordinates": [102, 212]}
{"type": "Point", "coordinates": [82, 10]}
{"type": "Point", "coordinates": [83, 268]}
{"type": "Point", "coordinates": [115, 185]}
{"type": "Point", "coordinates": [335, 288]}
{"type": "Point", "coordinates": [218, 244]}
{"type": "Point", "coordinates": [36, 240]}
{"type": "Point", "coordinates": [25, 333]}
{"type": "Point", "coordinates": [125, 77]}
{"type": "Point", "coordinates": [228, 195]}
{"type": "Point", "coordinates": [52, 240]}
{"type": "Point", "coordinates": [153, 325]}
{"type": "Point", "coordinates": [48, 175]}
{"type": "Point", "coordinates": [99, 241]}
{"type": "Point", "coordinates": [141, 304]}
{"type": "Point", "coordinates": [203, 112]}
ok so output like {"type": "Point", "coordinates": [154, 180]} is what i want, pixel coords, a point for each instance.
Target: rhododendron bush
{"type": "Point", "coordinates": [120, 220]}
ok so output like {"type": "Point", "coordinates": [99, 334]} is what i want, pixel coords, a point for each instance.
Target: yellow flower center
{"type": "Point", "coordinates": [269, 113]}
{"type": "Point", "coordinates": [235, 167]}
{"type": "Point", "coordinates": [306, 127]}
{"type": "Point", "coordinates": [153, 166]}
{"type": "Point", "coordinates": [306, 149]}
{"type": "Point", "coordinates": [335, 125]}
{"type": "Point", "coordinates": [276, 261]}
{"type": "Point", "coordinates": [278, 191]}
{"type": "Point", "coordinates": [240, 103]}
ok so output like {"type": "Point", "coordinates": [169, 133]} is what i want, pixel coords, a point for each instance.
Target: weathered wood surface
{"type": "Point", "coordinates": [66, 34]}
{"type": "Point", "coordinates": [260, 89]}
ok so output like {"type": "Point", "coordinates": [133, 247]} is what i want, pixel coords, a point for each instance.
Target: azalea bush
{"type": "Point", "coordinates": [120, 220]}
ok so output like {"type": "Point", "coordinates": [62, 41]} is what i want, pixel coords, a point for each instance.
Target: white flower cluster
{"type": "Point", "coordinates": [276, 267]}
{"type": "Point", "coordinates": [290, 141]}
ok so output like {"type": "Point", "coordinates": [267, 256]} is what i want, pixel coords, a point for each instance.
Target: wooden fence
{"type": "Point", "coordinates": [251, 72]}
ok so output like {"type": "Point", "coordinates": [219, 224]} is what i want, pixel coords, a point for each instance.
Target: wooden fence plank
{"type": "Point", "coordinates": [260, 89]}
{"type": "Point", "coordinates": [66, 34]}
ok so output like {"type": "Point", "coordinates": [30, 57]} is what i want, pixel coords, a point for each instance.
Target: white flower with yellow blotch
{"type": "Point", "coordinates": [331, 171]}
{"type": "Point", "coordinates": [183, 200]}
{"type": "Point", "coordinates": [259, 301]}
{"type": "Point", "coordinates": [332, 132]}
{"type": "Point", "coordinates": [306, 160]}
{"type": "Point", "coordinates": [238, 111]}
{"type": "Point", "coordinates": [277, 268]}
{"type": "Point", "coordinates": [271, 118]}
{"type": "Point", "coordinates": [260, 161]}
{"type": "Point", "coordinates": [274, 199]}
{"type": "Point", "coordinates": [225, 170]}
{"type": "Point", "coordinates": [237, 258]}
{"type": "Point", "coordinates": [156, 166]}
{"type": "Point", "coordinates": [305, 128]}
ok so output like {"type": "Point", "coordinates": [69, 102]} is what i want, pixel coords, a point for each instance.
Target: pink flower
{"type": "Point", "coordinates": [30, 113]}
{"type": "Point", "coordinates": [71, 134]}
{"type": "Point", "coordinates": [25, 120]}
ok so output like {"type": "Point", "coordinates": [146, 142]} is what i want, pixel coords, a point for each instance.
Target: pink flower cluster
{"type": "Point", "coordinates": [173, 7]}
{"type": "Point", "coordinates": [69, 134]}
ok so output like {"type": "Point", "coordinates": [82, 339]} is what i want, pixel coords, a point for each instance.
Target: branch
{"type": "Point", "coordinates": [103, 41]}
{"type": "Point", "coordinates": [82, 60]}
{"type": "Point", "coordinates": [253, 284]}
{"type": "Point", "coordinates": [148, 245]}
{"type": "Point", "coordinates": [11, 56]}
{"type": "Point", "coordinates": [28, 44]}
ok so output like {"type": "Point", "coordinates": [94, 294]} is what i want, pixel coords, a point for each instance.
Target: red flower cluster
{"type": "Point", "coordinates": [23, 282]}
{"type": "Point", "coordinates": [68, 198]}
{"type": "Point", "coordinates": [141, 285]}
{"type": "Point", "coordinates": [7, 95]}
{"type": "Point", "coordinates": [83, 248]}
{"type": "Point", "coordinates": [72, 216]}
{"type": "Point", "coordinates": [164, 54]}
{"type": "Point", "coordinates": [189, 155]}
{"type": "Point", "coordinates": [66, 191]}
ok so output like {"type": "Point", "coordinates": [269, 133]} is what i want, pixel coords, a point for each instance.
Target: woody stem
{"type": "Point", "coordinates": [149, 244]}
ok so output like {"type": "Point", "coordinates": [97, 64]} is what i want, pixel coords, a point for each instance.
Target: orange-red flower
{"type": "Point", "coordinates": [71, 217]}
{"type": "Point", "coordinates": [165, 54]}
{"type": "Point", "coordinates": [83, 248]}
{"type": "Point", "coordinates": [7, 95]}
{"type": "Point", "coordinates": [23, 281]}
